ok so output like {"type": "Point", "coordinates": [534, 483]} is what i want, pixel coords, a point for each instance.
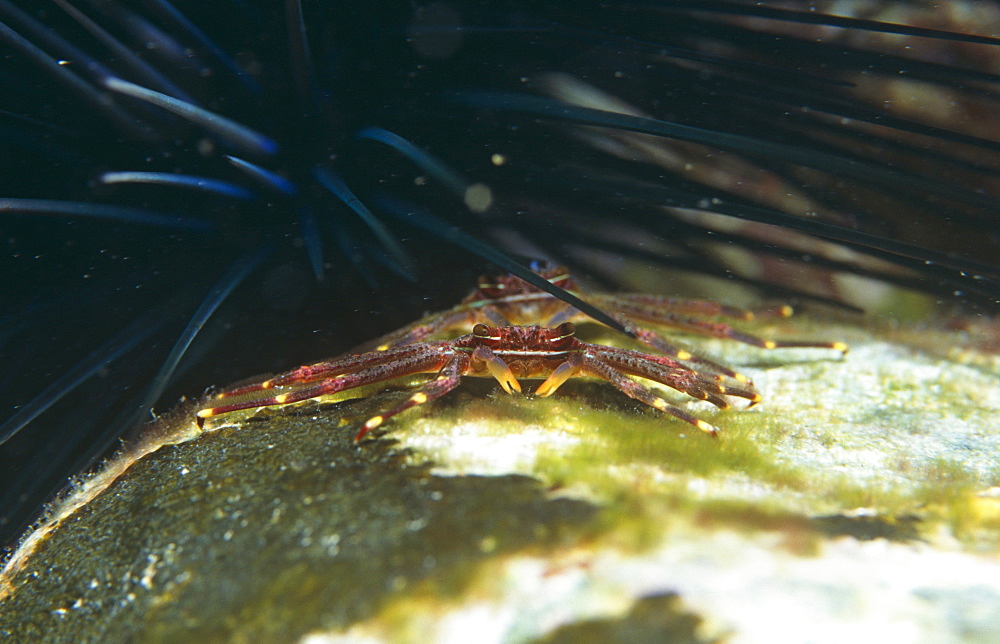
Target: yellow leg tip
{"type": "Point", "coordinates": [684, 355]}
{"type": "Point", "coordinates": [373, 422]}
{"type": "Point", "coordinates": [707, 428]}
{"type": "Point", "coordinates": [770, 344]}
{"type": "Point", "coordinates": [282, 399]}
{"type": "Point", "coordinates": [206, 413]}
{"type": "Point", "coordinates": [418, 398]}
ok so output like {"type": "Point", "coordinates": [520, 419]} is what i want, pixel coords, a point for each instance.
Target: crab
{"type": "Point", "coordinates": [507, 300]}
{"type": "Point", "coordinates": [504, 352]}
{"type": "Point", "coordinates": [518, 330]}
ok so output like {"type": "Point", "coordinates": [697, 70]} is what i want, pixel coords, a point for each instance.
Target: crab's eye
{"type": "Point", "coordinates": [557, 275]}
{"type": "Point", "coordinates": [482, 331]}
{"type": "Point", "coordinates": [566, 330]}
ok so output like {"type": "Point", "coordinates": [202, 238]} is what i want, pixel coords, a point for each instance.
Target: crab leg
{"type": "Point", "coordinates": [413, 359]}
{"type": "Point", "coordinates": [657, 342]}
{"type": "Point", "coordinates": [654, 340]}
{"type": "Point", "coordinates": [463, 316]}
{"type": "Point", "coordinates": [328, 369]}
{"type": "Point", "coordinates": [629, 315]}
{"type": "Point", "coordinates": [672, 374]}
{"type": "Point", "coordinates": [665, 371]}
{"type": "Point", "coordinates": [612, 365]}
{"type": "Point", "coordinates": [641, 393]}
{"type": "Point", "coordinates": [423, 329]}
{"type": "Point", "coordinates": [650, 307]}
{"type": "Point", "coordinates": [589, 364]}
{"type": "Point", "coordinates": [447, 379]}
{"type": "Point", "coordinates": [655, 310]}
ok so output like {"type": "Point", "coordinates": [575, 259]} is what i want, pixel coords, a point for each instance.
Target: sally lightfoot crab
{"type": "Point", "coordinates": [506, 300]}
{"type": "Point", "coordinates": [505, 353]}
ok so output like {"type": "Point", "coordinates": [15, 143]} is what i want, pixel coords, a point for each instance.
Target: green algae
{"type": "Point", "coordinates": [616, 440]}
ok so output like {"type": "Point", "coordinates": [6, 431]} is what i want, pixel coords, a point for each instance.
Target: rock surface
{"type": "Point", "coordinates": [860, 500]}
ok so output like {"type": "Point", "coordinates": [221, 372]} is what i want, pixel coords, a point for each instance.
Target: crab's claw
{"type": "Point", "coordinates": [499, 370]}
{"type": "Point", "coordinates": [562, 373]}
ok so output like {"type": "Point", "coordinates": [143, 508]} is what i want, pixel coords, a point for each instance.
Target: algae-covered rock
{"type": "Point", "coordinates": [860, 499]}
